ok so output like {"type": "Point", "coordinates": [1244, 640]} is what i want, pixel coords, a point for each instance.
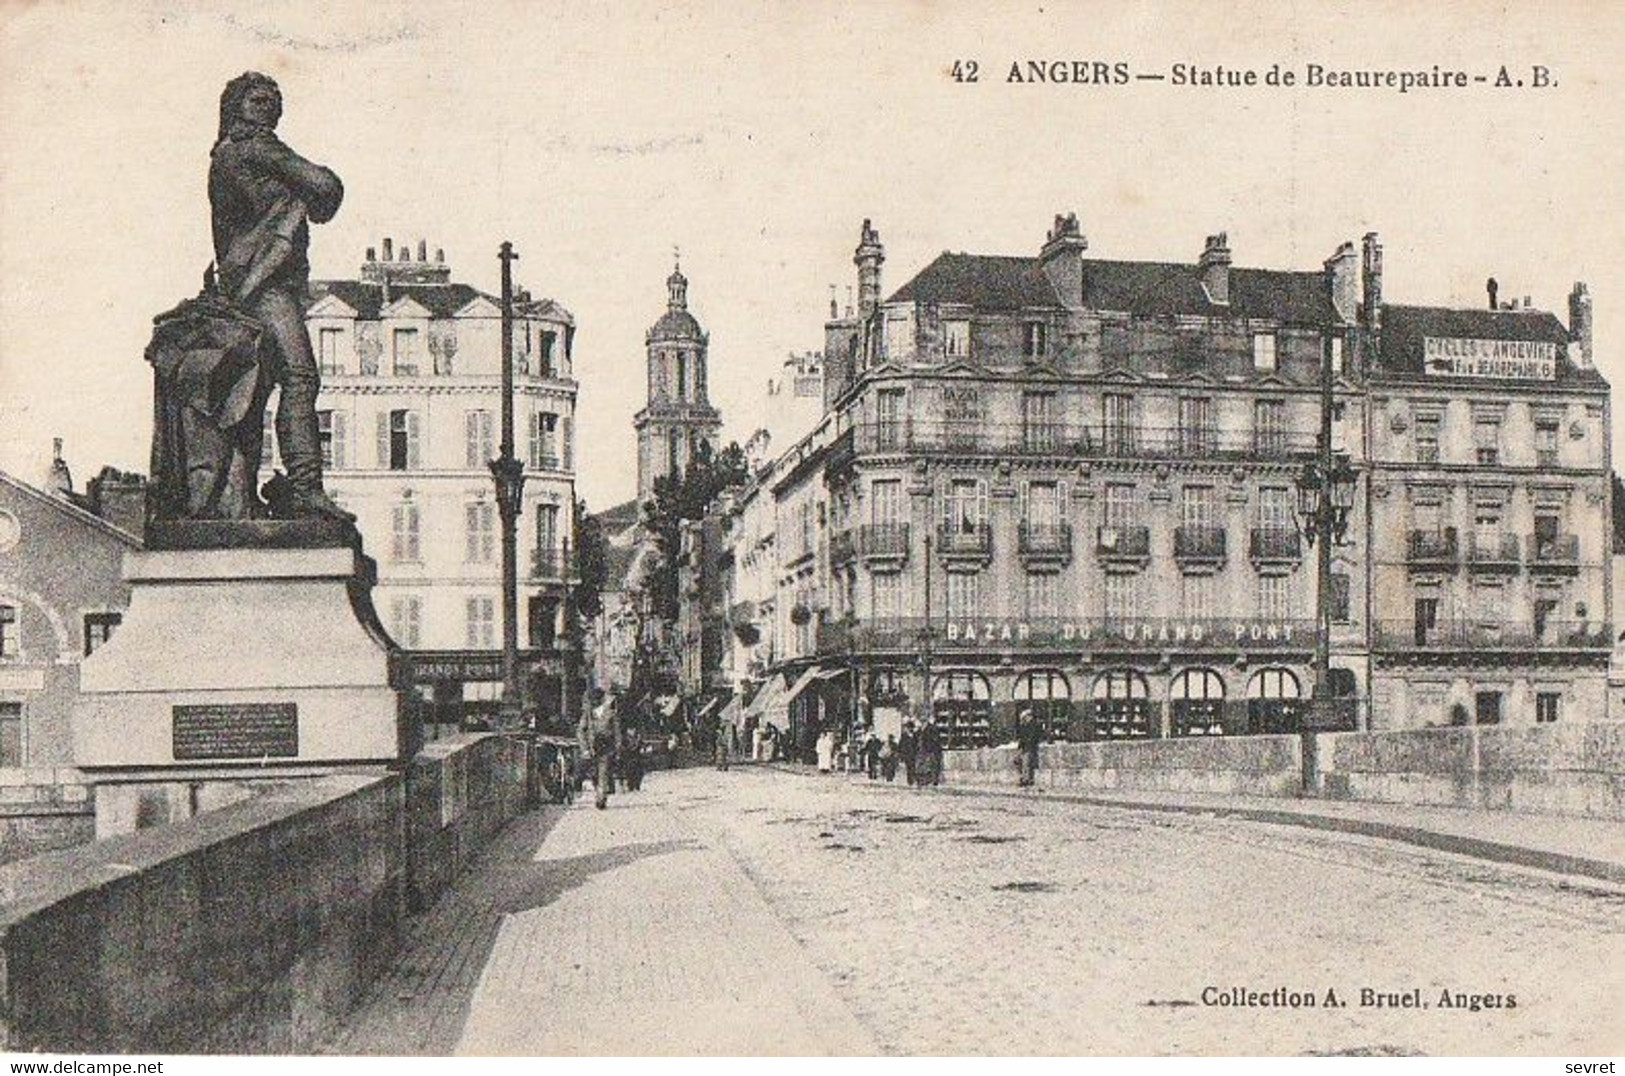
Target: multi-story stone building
{"type": "Point", "coordinates": [410, 413]}
{"type": "Point", "coordinates": [1490, 515]}
{"type": "Point", "coordinates": [62, 594]}
{"type": "Point", "coordinates": [1071, 481]}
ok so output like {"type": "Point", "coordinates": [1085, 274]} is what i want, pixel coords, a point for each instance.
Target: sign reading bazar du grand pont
{"type": "Point", "coordinates": [1520, 360]}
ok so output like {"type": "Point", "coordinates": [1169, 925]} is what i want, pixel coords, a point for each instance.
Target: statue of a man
{"type": "Point", "coordinates": [263, 196]}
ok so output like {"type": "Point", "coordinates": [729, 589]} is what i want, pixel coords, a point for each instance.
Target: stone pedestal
{"type": "Point", "coordinates": [239, 661]}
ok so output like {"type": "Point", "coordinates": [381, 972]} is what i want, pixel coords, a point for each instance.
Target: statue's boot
{"type": "Point", "coordinates": [316, 504]}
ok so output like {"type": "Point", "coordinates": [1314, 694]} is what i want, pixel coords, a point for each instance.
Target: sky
{"type": "Point", "coordinates": [756, 137]}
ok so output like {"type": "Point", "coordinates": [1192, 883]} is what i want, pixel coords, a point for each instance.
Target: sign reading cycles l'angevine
{"type": "Point", "coordinates": [1517, 360]}
{"type": "Point", "coordinates": [242, 730]}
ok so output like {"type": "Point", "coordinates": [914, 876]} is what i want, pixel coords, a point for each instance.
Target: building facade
{"type": "Point", "coordinates": [1491, 514]}
{"type": "Point", "coordinates": [1070, 482]}
{"type": "Point", "coordinates": [62, 594]}
{"type": "Point", "coordinates": [410, 414]}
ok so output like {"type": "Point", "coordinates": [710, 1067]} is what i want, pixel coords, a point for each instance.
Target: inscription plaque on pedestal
{"type": "Point", "coordinates": [236, 730]}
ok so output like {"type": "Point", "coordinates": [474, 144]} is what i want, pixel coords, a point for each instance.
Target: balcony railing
{"type": "Point", "coordinates": [547, 565]}
{"type": "Point", "coordinates": [1493, 635]}
{"type": "Point", "coordinates": [1076, 441]}
{"type": "Point", "coordinates": [974, 540]}
{"type": "Point", "coordinates": [1554, 553]}
{"type": "Point", "coordinates": [1115, 634]}
{"type": "Point", "coordinates": [1046, 541]}
{"type": "Point", "coordinates": [1432, 548]}
{"type": "Point", "coordinates": [1123, 541]}
{"type": "Point", "coordinates": [1492, 552]}
{"type": "Point", "coordinates": [883, 540]}
{"type": "Point", "coordinates": [1275, 544]}
{"type": "Point", "coordinates": [1199, 541]}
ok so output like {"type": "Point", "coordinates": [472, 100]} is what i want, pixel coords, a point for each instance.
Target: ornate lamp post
{"type": "Point", "coordinates": [509, 475]}
{"type": "Point", "coordinates": [1325, 499]}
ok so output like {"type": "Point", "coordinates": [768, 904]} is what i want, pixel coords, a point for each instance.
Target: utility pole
{"type": "Point", "coordinates": [925, 636]}
{"type": "Point", "coordinates": [509, 475]}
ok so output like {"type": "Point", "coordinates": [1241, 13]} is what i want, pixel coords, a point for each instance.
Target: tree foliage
{"type": "Point", "coordinates": [591, 564]}
{"type": "Point", "coordinates": [680, 499]}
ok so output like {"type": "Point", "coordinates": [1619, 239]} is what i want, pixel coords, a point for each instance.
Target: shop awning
{"type": "Point", "coordinates": [731, 712]}
{"type": "Point", "coordinates": [778, 709]}
{"type": "Point", "coordinates": [711, 705]}
{"type": "Point", "coordinates": [767, 695]}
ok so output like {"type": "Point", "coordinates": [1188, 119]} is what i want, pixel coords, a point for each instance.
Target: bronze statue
{"type": "Point", "coordinates": [217, 357]}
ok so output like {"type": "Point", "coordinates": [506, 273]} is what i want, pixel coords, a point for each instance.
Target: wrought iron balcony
{"type": "Point", "coordinates": [883, 541]}
{"type": "Point", "coordinates": [1493, 635]}
{"type": "Point", "coordinates": [1199, 542]}
{"type": "Point", "coordinates": [547, 565]}
{"type": "Point", "coordinates": [1492, 553]}
{"type": "Point", "coordinates": [1275, 545]}
{"type": "Point", "coordinates": [1046, 542]}
{"type": "Point", "coordinates": [1129, 542]}
{"type": "Point", "coordinates": [1072, 441]}
{"type": "Point", "coordinates": [1554, 553]}
{"type": "Point", "coordinates": [965, 541]}
{"type": "Point", "coordinates": [1436, 549]}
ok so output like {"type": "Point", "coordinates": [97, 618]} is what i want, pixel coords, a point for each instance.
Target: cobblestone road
{"type": "Point", "coordinates": [765, 912]}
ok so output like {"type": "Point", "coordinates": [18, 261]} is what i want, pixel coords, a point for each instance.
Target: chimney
{"type": "Point", "coordinates": [1493, 288]}
{"type": "Point", "coordinates": [850, 310]}
{"type": "Point", "coordinates": [1342, 276]}
{"type": "Point", "coordinates": [1214, 265]}
{"type": "Point", "coordinates": [389, 250]}
{"type": "Point", "coordinates": [58, 479]}
{"type": "Point", "coordinates": [1580, 322]}
{"type": "Point", "coordinates": [869, 256]}
{"type": "Point", "coordinates": [372, 254]}
{"type": "Point", "coordinates": [440, 255]}
{"type": "Point", "coordinates": [423, 250]}
{"type": "Point", "coordinates": [1371, 281]}
{"type": "Point", "coordinates": [834, 310]}
{"type": "Point", "coordinates": [406, 252]}
{"type": "Point", "coordinates": [1062, 259]}
{"type": "Point", "coordinates": [121, 499]}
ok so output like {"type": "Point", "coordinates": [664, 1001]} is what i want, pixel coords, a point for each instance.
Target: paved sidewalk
{"type": "Point", "coordinates": [627, 931]}
{"type": "Point", "coordinates": [1589, 847]}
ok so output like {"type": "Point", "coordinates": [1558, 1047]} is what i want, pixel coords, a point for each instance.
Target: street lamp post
{"type": "Point", "coordinates": [509, 475]}
{"type": "Point", "coordinates": [1325, 498]}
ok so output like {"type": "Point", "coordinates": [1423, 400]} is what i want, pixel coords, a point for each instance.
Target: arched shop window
{"type": "Point", "coordinates": [962, 704]}
{"type": "Point", "coordinates": [1197, 703]}
{"type": "Point", "coordinates": [1274, 702]}
{"type": "Point", "coordinates": [1049, 695]}
{"type": "Point", "coordinates": [1121, 705]}
{"type": "Point", "coordinates": [886, 688]}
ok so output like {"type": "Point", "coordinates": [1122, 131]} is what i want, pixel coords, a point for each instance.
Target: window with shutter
{"type": "Point", "coordinates": [384, 419]}
{"type": "Point", "coordinates": [477, 432]}
{"type": "Point", "coordinates": [414, 458]}
{"type": "Point", "coordinates": [339, 442]}
{"type": "Point", "coordinates": [568, 436]}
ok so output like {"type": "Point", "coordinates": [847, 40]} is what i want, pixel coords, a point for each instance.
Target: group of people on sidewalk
{"type": "Point", "coordinates": [918, 751]}
{"type": "Point", "coordinates": [615, 753]}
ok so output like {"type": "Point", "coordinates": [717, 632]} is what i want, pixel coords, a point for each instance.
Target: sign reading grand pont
{"type": "Point", "coordinates": [1237, 633]}
{"type": "Point", "coordinates": [1512, 360]}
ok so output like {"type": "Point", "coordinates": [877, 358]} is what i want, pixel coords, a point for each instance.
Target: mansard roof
{"type": "Point", "coordinates": [1405, 328]}
{"type": "Point", "coordinates": [1004, 283]}
{"type": "Point", "coordinates": [440, 300]}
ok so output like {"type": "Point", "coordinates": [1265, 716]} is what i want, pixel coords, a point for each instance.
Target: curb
{"type": "Point", "coordinates": [1456, 844]}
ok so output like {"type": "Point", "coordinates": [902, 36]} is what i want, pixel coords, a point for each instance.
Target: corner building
{"type": "Point", "coordinates": [1491, 525]}
{"type": "Point", "coordinates": [1071, 481]}
{"type": "Point", "coordinates": [410, 413]}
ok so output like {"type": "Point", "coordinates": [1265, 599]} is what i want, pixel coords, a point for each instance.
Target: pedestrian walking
{"type": "Point", "coordinates": [871, 755]}
{"type": "Point", "coordinates": [1029, 734]}
{"type": "Point", "coordinates": [724, 743]}
{"type": "Point", "coordinates": [928, 766]}
{"type": "Point", "coordinates": [632, 762]}
{"type": "Point", "coordinates": [603, 755]}
{"type": "Point", "coordinates": [908, 750]}
{"type": "Point", "coordinates": [888, 758]}
{"type": "Point", "coordinates": [826, 751]}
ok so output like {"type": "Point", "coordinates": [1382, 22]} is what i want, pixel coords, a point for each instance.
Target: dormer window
{"type": "Point", "coordinates": [1264, 351]}
{"type": "Point", "coordinates": [328, 340]}
{"type": "Point", "coordinates": [405, 354]}
{"type": "Point", "coordinates": [1034, 340]}
{"type": "Point", "coordinates": [956, 339]}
